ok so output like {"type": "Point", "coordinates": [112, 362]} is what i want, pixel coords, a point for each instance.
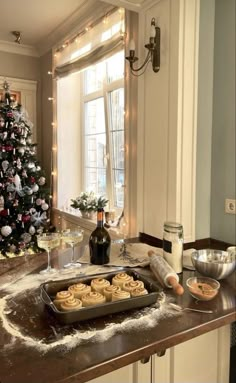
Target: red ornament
{"type": "Point", "coordinates": [32, 180]}
{"type": "Point", "coordinates": [25, 218]}
{"type": "Point", "coordinates": [9, 148]}
{"type": "Point", "coordinates": [4, 212]}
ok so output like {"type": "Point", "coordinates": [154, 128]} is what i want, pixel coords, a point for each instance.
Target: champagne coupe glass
{"type": "Point", "coordinates": [48, 241]}
{"type": "Point", "coordinates": [72, 237]}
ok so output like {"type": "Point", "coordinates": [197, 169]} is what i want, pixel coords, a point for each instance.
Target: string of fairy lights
{"type": "Point", "coordinates": [76, 38]}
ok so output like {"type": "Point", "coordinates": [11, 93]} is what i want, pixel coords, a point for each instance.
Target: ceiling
{"type": "Point", "coordinates": [38, 21]}
{"type": "Point", "coordinates": [34, 19]}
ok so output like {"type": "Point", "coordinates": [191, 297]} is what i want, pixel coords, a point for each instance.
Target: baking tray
{"type": "Point", "coordinates": [49, 290]}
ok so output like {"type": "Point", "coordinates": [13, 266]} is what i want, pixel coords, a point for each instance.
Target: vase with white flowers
{"type": "Point", "coordinates": [88, 203]}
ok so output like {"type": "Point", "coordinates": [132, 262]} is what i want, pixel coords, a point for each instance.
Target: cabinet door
{"type": "Point", "coordinates": [204, 359]}
{"type": "Point", "coordinates": [124, 374]}
{"type": "Point", "coordinates": [161, 368]}
{"type": "Point", "coordinates": [133, 373]}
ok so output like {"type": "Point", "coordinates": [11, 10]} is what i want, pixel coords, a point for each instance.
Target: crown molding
{"type": "Point", "coordinates": [131, 5]}
{"type": "Point", "coordinates": [84, 13]}
{"type": "Point", "coordinates": [19, 49]}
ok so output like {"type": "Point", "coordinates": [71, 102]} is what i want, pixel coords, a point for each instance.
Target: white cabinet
{"type": "Point", "coordinates": [133, 373]}
{"type": "Point", "coordinates": [204, 359]}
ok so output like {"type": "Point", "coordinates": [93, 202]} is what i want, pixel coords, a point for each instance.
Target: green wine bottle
{"type": "Point", "coordinates": [100, 242]}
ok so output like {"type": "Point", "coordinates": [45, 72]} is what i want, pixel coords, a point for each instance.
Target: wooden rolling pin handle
{"type": "Point", "coordinates": [177, 288]}
{"type": "Point", "coordinates": [169, 281]}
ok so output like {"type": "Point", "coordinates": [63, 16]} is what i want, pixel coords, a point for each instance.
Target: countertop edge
{"type": "Point", "coordinates": [151, 349]}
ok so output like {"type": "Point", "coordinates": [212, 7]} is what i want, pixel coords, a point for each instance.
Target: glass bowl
{"type": "Point", "coordinates": [203, 288]}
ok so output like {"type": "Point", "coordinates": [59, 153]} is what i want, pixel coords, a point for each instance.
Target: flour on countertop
{"type": "Point", "coordinates": [145, 318]}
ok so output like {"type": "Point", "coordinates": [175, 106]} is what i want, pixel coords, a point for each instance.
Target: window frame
{"type": "Point", "coordinates": [107, 87]}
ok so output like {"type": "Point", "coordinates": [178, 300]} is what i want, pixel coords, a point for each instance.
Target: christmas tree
{"type": "Point", "coordinates": [24, 198]}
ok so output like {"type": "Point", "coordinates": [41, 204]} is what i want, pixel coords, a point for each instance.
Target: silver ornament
{"type": "Point", "coordinates": [5, 165]}
{"type": "Point", "coordinates": [32, 230]}
{"type": "Point", "coordinates": [6, 230]}
{"type": "Point", "coordinates": [26, 237]}
{"type": "Point", "coordinates": [35, 188]}
{"type": "Point", "coordinates": [41, 181]}
{"type": "Point", "coordinates": [44, 206]}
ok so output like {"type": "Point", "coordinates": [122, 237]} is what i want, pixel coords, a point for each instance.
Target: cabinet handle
{"type": "Point", "coordinates": [161, 353]}
{"type": "Point", "coordinates": [145, 360]}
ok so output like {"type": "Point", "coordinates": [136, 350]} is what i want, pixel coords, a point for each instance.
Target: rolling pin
{"type": "Point", "coordinates": [164, 273]}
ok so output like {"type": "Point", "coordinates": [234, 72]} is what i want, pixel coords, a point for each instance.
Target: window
{"type": "Point", "coordinates": [90, 121]}
{"type": "Point", "coordinates": [103, 129]}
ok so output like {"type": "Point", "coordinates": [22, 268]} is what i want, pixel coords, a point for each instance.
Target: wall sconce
{"type": "Point", "coordinates": [17, 36]}
{"type": "Point", "coordinates": [153, 54]}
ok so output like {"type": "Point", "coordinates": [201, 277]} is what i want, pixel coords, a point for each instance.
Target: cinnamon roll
{"type": "Point", "coordinates": [71, 304]}
{"type": "Point", "coordinates": [99, 284]}
{"type": "Point", "coordinates": [118, 295]}
{"type": "Point", "coordinates": [138, 292]}
{"type": "Point", "coordinates": [129, 286]}
{"type": "Point", "coordinates": [93, 298]}
{"type": "Point", "coordinates": [120, 278]}
{"type": "Point", "coordinates": [79, 289]}
{"type": "Point", "coordinates": [109, 290]}
{"type": "Point", "coordinates": [62, 296]}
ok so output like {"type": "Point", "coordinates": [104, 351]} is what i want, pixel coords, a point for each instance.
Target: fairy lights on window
{"type": "Point", "coordinates": [75, 39]}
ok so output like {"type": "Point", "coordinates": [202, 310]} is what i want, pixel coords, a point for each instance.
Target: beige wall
{"type": "Point", "coordinates": [19, 66]}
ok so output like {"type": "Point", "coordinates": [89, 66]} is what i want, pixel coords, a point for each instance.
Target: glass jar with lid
{"type": "Point", "coordinates": [173, 245]}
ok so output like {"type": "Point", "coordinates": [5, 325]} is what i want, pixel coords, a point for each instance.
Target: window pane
{"type": "Point", "coordinates": [94, 116]}
{"type": "Point", "coordinates": [115, 67]}
{"type": "Point", "coordinates": [96, 180]}
{"type": "Point", "coordinates": [95, 150]}
{"type": "Point", "coordinates": [93, 78]}
{"type": "Point", "coordinates": [117, 109]}
{"type": "Point", "coordinates": [119, 188]}
{"type": "Point", "coordinates": [118, 149]}
{"type": "Point", "coordinates": [116, 101]}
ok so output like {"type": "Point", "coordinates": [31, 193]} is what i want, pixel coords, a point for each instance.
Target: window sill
{"type": "Point", "coordinates": [64, 219]}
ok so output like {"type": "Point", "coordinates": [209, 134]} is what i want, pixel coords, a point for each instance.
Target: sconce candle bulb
{"type": "Point", "coordinates": [153, 54]}
{"type": "Point", "coordinates": [132, 45]}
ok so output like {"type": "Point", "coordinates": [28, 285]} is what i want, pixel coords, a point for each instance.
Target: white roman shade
{"type": "Point", "coordinates": [102, 39]}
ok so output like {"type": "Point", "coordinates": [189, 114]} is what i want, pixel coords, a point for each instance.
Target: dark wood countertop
{"type": "Point", "coordinates": [21, 363]}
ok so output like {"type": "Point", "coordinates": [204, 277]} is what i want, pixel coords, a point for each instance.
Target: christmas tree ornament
{"type": "Point", "coordinates": [6, 230]}
{"type": "Point", "coordinates": [26, 237]}
{"type": "Point", "coordinates": [41, 181]}
{"type": "Point", "coordinates": [38, 219]}
{"type": "Point", "coordinates": [32, 230]}
{"type": "Point", "coordinates": [35, 188]}
{"type": "Point", "coordinates": [38, 201]}
{"type": "Point", "coordinates": [5, 165]}
{"type": "Point", "coordinates": [21, 151]}
{"type": "Point", "coordinates": [44, 206]}
{"type": "Point", "coordinates": [29, 191]}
